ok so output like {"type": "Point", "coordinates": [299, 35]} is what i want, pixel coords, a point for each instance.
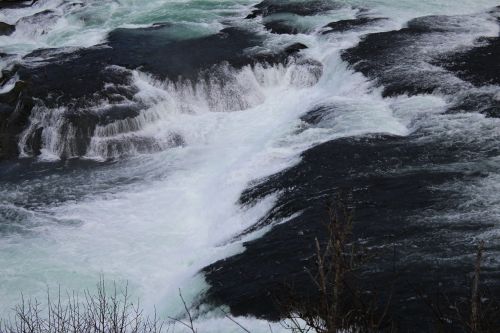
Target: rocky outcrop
{"type": "Point", "coordinates": [367, 172]}
{"type": "Point", "coordinates": [82, 79]}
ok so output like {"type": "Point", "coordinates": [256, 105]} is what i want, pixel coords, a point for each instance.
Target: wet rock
{"type": "Point", "coordinates": [406, 61]}
{"type": "Point", "coordinates": [475, 100]}
{"type": "Point", "coordinates": [290, 53]}
{"type": "Point", "coordinates": [152, 50]}
{"type": "Point", "coordinates": [16, 3]}
{"type": "Point", "coordinates": [47, 87]}
{"type": "Point", "coordinates": [315, 116]}
{"type": "Point", "coordinates": [254, 14]}
{"type": "Point", "coordinates": [388, 190]}
{"type": "Point", "coordinates": [34, 142]}
{"type": "Point", "coordinates": [281, 27]}
{"type": "Point", "coordinates": [302, 8]}
{"type": "Point", "coordinates": [385, 57]}
{"type": "Point", "coordinates": [294, 48]}
{"type": "Point", "coordinates": [479, 65]}
{"type": "Point", "coordinates": [400, 60]}
{"type": "Point", "coordinates": [166, 57]}
{"type": "Point", "coordinates": [100, 76]}
{"type": "Point", "coordinates": [90, 75]}
{"type": "Point", "coordinates": [6, 29]}
{"type": "Point", "coordinates": [39, 23]}
{"type": "Point", "coordinates": [346, 25]}
{"type": "Point", "coordinates": [15, 108]}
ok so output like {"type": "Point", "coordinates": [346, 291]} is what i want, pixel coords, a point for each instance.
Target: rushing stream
{"type": "Point", "coordinates": [131, 129]}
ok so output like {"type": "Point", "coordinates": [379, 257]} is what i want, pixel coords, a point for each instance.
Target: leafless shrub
{"type": "Point", "coordinates": [98, 312]}
{"type": "Point", "coordinates": [340, 305]}
{"type": "Point", "coordinates": [101, 312]}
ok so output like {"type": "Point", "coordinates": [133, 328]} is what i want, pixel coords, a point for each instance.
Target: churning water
{"type": "Point", "coordinates": [152, 197]}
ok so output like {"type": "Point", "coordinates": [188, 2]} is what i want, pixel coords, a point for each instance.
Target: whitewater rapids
{"type": "Point", "coordinates": [154, 197]}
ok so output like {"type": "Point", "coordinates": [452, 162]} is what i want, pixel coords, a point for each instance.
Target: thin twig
{"type": "Point", "coordinates": [233, 320]}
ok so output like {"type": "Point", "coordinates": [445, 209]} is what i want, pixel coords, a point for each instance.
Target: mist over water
{"type": "Point", "coordinates": [153, 197]}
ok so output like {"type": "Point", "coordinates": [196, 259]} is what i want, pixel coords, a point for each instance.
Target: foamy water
{"type": "Point", "coordinates": [157, 215]}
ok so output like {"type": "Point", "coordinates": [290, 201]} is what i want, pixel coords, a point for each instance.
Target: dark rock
{"type": "Point", "coordinates": [150, 49]}
{"type": "Point", "coordinates": [345, 25]}
{"type": "Point", "coordinates": [15, 108]}
{"type": "Point", "coordinates": [385, 57]}
{"type": "Point", "coordinates": [294, 48]}
{"type": "Point", "coordinates": [159, 25]}
{"type": "Point", "coordinates": [12, 96]}
{"type": "Point", "coordinates": [42, 21]}
{"type": "Point", "coordinates": [47, 87]}
{"type": "Point", "coordinates": [281, 27]}
{"type": "Point", "coordinates": [473, 100]}
{"type": "Point", "coordinates": [254, 14]}
{"type": "Point", "coordinates": [399, 60]}
{"type": "Point", "coordinates": [96, 79]}
{"type": "Point", "coordinates": [16, 3]}
{"type": "Point", "coordinates": [6, 29]}
{"type": "Point", "coordinates": [315, 116]}
{"type": "Point", "coordinates": [34, 142]}
{"type": "Point", "coordinates": [479, 65]}
{"type": "Point", "coordinates": [303, 8]}
{"type": "Point", "coordinates": [436, 23]}
{"type": "Point", "coordinates": [89, 73]}
{"type": "Point", "coordinates": [406, 62]}
{"type": "Point", "coordinates": [155, 52]}
{"type": "Point", "coordinates": [390, 193]}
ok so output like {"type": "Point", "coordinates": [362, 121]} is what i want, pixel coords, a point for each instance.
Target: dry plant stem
{"type": "Point", "coordinates": [340, 305]}
{"type": "Point", "coordinates": [95, 313]}
{"type": "Point", "coordinates": [234, 321]}
{"type": "Point", "coordinates": [190, 324]}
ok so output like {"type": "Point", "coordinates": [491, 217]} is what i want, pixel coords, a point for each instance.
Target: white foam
{"type": "Point", "coordinates": [179, 211]}
{"type": "Point", "coordinates": [159, 234]}
{"type": "Point", "coordinates": [8, 86]}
